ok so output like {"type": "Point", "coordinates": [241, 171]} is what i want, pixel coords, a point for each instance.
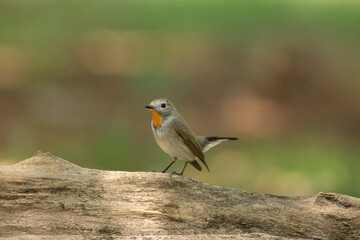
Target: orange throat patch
{"type": "Point", "coordinates": [157, 118]}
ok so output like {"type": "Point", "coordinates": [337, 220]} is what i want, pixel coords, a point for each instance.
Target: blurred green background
{"type": "Point", "coordinates": [283, 76]}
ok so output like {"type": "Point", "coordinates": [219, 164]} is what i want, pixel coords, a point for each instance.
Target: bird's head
{"type": "Point", "coordinates": [160, 108]}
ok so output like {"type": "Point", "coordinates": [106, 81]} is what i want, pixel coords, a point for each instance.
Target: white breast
{"type": "Point", "coordinates": [169, 142]}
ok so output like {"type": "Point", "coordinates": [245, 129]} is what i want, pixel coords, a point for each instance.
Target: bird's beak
{"type": "Point", "coordinates": [149, 107]}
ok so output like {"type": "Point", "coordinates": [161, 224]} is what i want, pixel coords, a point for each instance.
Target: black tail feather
{"type": "Point", "coordinates": [212, 138]}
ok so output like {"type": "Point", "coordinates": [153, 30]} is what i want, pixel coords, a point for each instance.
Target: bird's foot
{"type": "Point", "coordinates": [158, 171]}
{"type": "Point", "coordinates": [175, 173]}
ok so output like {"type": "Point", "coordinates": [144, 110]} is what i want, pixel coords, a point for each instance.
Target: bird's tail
{"type": "Point", "coordinates": [209, 142]}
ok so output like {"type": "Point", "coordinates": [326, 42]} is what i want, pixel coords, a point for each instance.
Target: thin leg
{"type": "Point", "coordinates": [169, 165]}
{"type": "Point", "coordinates": [182, 172]}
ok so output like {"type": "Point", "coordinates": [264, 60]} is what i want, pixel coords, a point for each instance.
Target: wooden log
{"type": "Point", "coordinates": [48, 197]}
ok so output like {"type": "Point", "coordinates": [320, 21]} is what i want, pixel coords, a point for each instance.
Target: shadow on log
{"type": "Point", "coordinates": [48, 197]}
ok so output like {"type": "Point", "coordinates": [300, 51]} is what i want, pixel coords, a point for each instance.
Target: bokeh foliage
{"type": "Point", "coordinates": [281, 75]}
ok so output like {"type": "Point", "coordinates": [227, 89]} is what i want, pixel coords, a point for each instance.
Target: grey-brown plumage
{"type": "Point", "coordinates": [176, 138]}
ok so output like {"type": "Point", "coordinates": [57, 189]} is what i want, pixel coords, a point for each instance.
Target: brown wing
{"type": "Point", "coordinates": [189, 138]}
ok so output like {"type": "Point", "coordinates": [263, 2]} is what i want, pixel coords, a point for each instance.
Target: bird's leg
{"type": "Point", "coordinates": [182, 172]}
{"type": "Point", "coordinates": [170, 165]}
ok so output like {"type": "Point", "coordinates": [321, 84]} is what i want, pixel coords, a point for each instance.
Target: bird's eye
{"type": "Point", "coordinates": [163, 105]}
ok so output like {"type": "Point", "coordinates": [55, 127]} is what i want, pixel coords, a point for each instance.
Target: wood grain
{"type": "Point", "coordinates": [50, 198]}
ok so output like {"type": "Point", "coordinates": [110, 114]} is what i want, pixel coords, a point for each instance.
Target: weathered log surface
{"type": "Point", "coordinates": [50, 198]}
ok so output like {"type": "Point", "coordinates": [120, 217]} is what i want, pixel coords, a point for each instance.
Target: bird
{"type": "Point", "coordinates": [175, 137]}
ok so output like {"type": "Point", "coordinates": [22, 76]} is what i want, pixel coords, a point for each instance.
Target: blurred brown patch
{"type": "Point", "coordinates": [11, 66]}
{"type": "Point", "coordinates": [252, 115]}
{"type": "Point", "coordinates": [108, 52]}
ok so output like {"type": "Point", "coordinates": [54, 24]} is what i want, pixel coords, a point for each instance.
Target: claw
{"type": "Point", "coordinates": [175, 173]}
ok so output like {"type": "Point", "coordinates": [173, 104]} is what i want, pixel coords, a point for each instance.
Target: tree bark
{"type": "Point", "coordinates": [48, 197]}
